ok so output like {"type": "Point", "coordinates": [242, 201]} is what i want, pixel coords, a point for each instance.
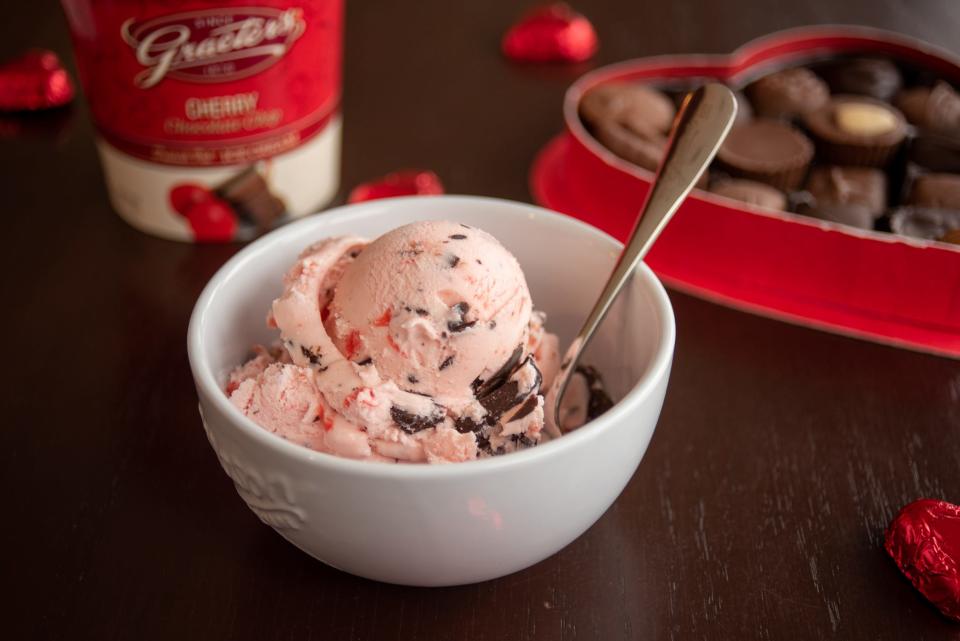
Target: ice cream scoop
{"type": "Point", "coordinates": [421, 345]}
{"type": "Point", "coordinates": [705, 120]}
{"type": "Point", "coordinates": [435, 306]}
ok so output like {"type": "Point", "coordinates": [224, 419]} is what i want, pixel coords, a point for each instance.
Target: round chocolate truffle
{"type": "Point", "coordinates": [934, 108]}
{"type": "Point", "coordinates": [767, 151]}
{"type": "Point", "coordinates": [874, 77]}
{"type": "Point", "coordinates": [939, 191]}
{"type": "Point", "coordinates": [854, 196]}
{"type": "Point", "coordinates": [856, 130]}
{"type": "Point", "coordinates": [751, 192]}
{"type": "Point", "coordinates": [636, 106]}
{"type": "Point", "coordinates": [788, 94]}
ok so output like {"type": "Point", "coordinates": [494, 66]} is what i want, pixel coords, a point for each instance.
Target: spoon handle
{"type": "Point", "coordinates": [704, 121]}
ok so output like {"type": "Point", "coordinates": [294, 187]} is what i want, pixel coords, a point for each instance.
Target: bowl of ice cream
{"type": "Point", "coordinates": [477, 493]}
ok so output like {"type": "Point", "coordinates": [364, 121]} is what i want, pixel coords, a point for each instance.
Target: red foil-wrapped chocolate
{"type": "Point", "coordinates": [552, 33]}
{"type": "Point", "coordinates": [33, 81]}
{"type": "Point", "coordinates": [924, 541]}
{"type": "Point", "coordinates": [408, 182]}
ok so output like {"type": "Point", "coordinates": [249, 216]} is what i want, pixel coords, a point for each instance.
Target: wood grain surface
{"type": "Point", "coordinates": [781, 454]}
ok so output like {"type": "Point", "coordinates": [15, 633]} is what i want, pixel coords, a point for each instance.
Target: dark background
{"type": "Point", "coordinates": [758, 512]}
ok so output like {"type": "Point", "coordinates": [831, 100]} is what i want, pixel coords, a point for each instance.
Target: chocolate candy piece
{"type": "Point", "coordinates": [642, 150]}
{"type": "Point", "coordinates": [551, 33]}
{"type": "Point", "coordinates": [864, 119]}
{"type": "Point", "coordinates": [924, 542]}
{"type": "Point", "coordinates": [406, 182]}
{"type": "Point", "coordinates": [767, 151]}
{"type": "Point", "coordinates": [751, 192]}
{"type": "Point", "coordinates": [250, 196]}
{"type": "Point", "coordinates": [856, 130]}
{"type": "Point", "coordinates": [641, 109]}
{"type": "Point", "coordinates": [34, 80]}
{"type": "Point", "coordinates": [935, 108]}
{"type": "Point", "coordinates": [936, 152]}
{"type": "Point", "coordinates": [788, 93]}
{"type": "Point", "coordinates": [630, 120]}
{"type": "Point", "coordinates": [874, 77]}
{"type": "Point", "coordinates": [925, 223]}
{"type": "Point", "coordinates": [938, 191]}
{"type": "Point", "coordinates": [850, 195]}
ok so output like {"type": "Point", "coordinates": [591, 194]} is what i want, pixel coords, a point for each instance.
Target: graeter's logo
{"type": "Point", "coordinates": [215, 45]}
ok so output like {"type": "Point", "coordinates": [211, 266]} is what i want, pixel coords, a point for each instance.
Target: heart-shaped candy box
{"type": "Point", "coordinates": [874, 285]}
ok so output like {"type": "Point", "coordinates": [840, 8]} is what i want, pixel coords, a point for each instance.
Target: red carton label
{"type": "Point", "coordinates": [208, 83]}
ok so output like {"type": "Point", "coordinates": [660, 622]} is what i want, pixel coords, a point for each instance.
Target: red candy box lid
{"type": "Point", "coordinates": [869, 284]}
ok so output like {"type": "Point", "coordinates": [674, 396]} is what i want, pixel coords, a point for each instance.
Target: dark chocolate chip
{"type": "Point", "coordinates": [366, 361]}
{"type": "Point", "coordinates": [458, 237]}
{"type": "Point", "coordinates": [483, 444]}
{"type": "Point", "coordinates": [466, 424]}
{"type": "Point", "coordinates": [354, 253]}
{"type": "Point", "coordinates": [492, 324]}
{"type": "Point", "coordinates": [599, 401]}
{"type": "Point", "coordinates": [310, 355]}
{"type": "Point", "coordinates": [447, 362]}
{"type": "Point", "coordinates": [482, 388]}
{"type": "Point", "coordinates": [466, 226]}
{"type": "Point", "coordinates": [501, 399]}
{"type": "Point", "coordinates": [453, 260]}
{"type": "Point", "coordinates": [508, 395]}
{"type": "Point", "coordinates": [522, 440]}
{"type": "Point", "coordinates": [412, 423]}
{"type": "Point", "coordinates": [413, 379]}
{"type": "Point", "coordinates": [528, 406]}
{"type": "Point", "coordinates": [459, 324]}
{"type": "Point", "coordinates": [421, 312]}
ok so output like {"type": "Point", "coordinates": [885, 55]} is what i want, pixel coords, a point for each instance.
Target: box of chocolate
{"type": "Point", "coordinates": [833, 203]}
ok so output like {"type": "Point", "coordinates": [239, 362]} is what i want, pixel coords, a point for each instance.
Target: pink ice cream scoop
{"type": "Point", "coordinates": [436, 307]}
{"type": "Point", "coordinates": [420, 346]}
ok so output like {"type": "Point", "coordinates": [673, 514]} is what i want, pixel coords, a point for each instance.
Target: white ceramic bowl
{"type": "Point", "coordinates": [447, 524]}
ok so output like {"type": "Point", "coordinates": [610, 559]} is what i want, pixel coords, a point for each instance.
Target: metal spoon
{"type": "Point", "coordinates": [704, 121]}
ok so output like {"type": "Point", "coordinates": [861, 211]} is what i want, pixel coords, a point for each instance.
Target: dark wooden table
{"type": "Point", "coordinates": [781, 455]}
